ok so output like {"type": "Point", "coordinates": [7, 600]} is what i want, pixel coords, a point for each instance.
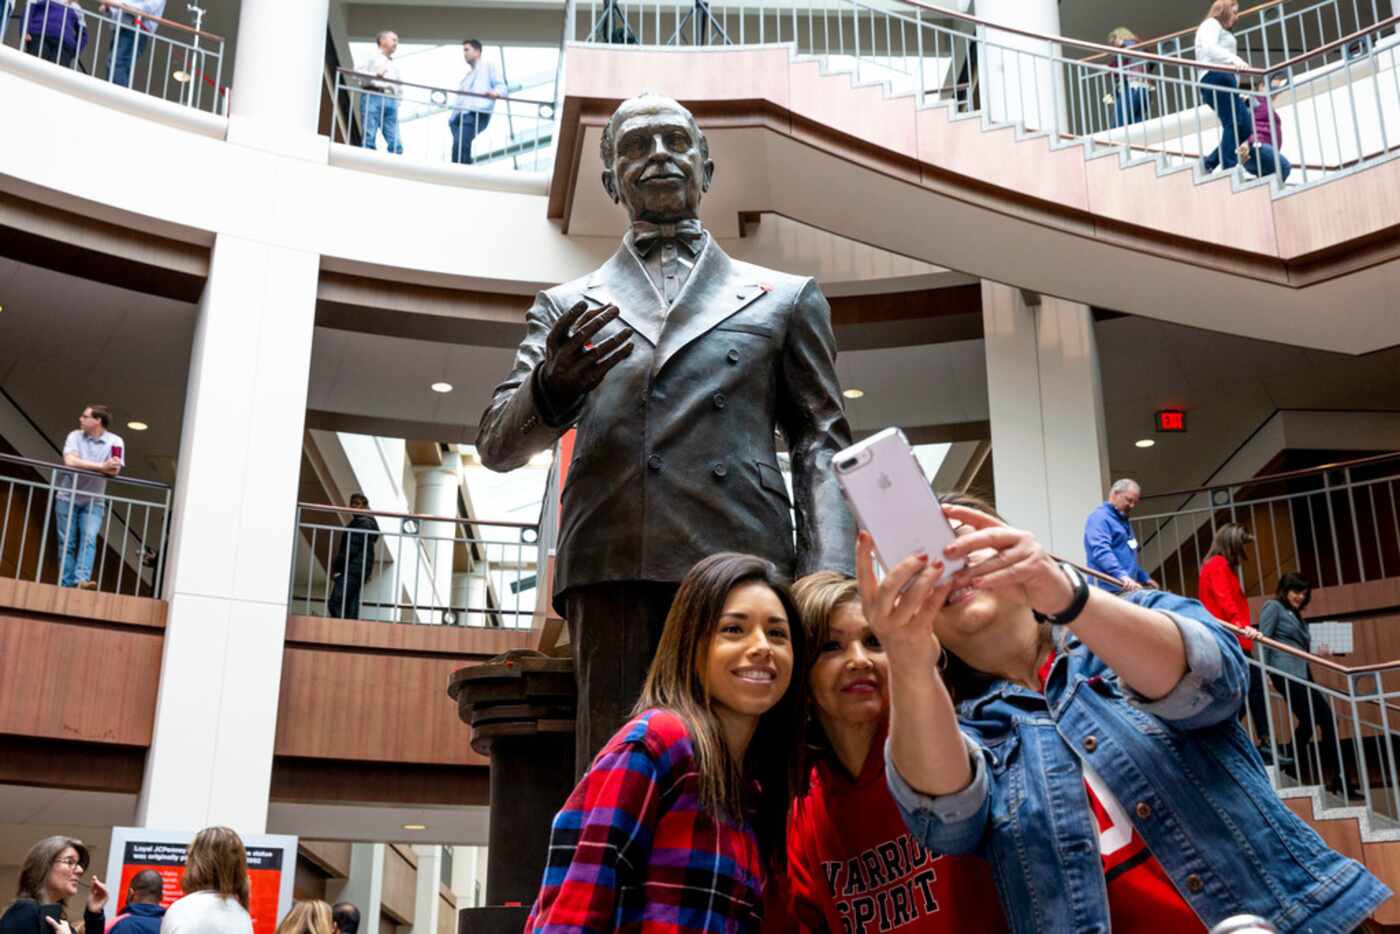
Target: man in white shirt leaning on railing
{"type": "Point", "coordinates": [475, 101]}
{"type": "Point", "coordinates": [134, 22]}
{"type": "Point", "coordinates": [379, 109]}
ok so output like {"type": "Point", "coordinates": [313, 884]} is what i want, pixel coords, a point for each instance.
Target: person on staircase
{"type": "Point", "coordinates": [1216, 51]}
{"type": "Point", "coordinates": [1281, 619]}
{"type": "Point", "coordinates": [1130, 84]}
{"type": "Point", "coordinates": [1261, 155]}
{"type": "Point", "coordinates": [1220, 592]}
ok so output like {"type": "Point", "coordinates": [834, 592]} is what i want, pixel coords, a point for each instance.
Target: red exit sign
{"type": "Point", "coordinates": [1171, 420]}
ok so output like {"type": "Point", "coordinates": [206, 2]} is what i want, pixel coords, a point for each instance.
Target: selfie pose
{"type": "Point", "coordinates": [852, 864]}
{"type": "Point", "coordinates": [1087, 745]}
{"type": "Point", "coordinates": [679, 821]}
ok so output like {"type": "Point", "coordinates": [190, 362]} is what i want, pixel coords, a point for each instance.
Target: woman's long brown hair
{"type": "Point", "coordinates": [1230, 541]}
{"type": "Point", "coordinates": [217, 862]}
{"type": "Point", "coordinates": [34, 874]}
{"type": "Point", "coordinates": [674, 683]}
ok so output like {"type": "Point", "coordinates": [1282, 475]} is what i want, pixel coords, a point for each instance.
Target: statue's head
{"type": "Point", "coordinates": [655, 159]}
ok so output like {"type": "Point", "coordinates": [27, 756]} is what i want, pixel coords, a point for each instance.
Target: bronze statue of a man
{"type": "Point", "coordinates": [676, 364]}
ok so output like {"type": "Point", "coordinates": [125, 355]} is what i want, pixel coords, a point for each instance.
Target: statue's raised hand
{"type": "Point", "coordinates": [573, 364]}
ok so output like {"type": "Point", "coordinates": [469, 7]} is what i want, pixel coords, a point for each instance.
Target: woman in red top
{"type": "Point", "coordinates": [1220, 592]}
{"type": "Point", "coordinates": [853, 865]}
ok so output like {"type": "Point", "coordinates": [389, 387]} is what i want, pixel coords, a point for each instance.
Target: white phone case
{"type": "Point", "coordinates": [892, 500]}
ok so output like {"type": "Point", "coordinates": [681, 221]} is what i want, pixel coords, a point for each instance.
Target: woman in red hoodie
{"type": "Point", "coordinates": [1220, 591]}
{"type": "Point", "coordinates": [853, 865]}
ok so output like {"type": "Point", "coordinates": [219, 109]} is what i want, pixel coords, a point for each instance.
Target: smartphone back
{"type": "Point", "coordinates": [892, 500]}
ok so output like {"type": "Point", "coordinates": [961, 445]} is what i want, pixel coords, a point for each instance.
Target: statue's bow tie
{"type": "Point", "coordinates": [688, 233]}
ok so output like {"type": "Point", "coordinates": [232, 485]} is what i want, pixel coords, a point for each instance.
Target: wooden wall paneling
{"type": "Point", "coordinates": [52, 600]}
{"type": "Point", "coordinates": [400, 890]}
{"type": "Point", "coordinates": [75, 681]}
{"type": "Point", "coordinates": [51, 763]}
{"type": "Point", "coordinates": [308, 883]}
{"type": "Point", "coordinates": [331, 856]}
{"type": "Point", "coordinates": [447, 911]}
{"type": "Point", "coordinates": [1383, 859]}
{"type": "Point", "coordinates": [387, 925]}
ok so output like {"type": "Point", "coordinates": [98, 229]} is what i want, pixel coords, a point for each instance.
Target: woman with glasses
{"type": "Point", "coordinates": [49, 877]}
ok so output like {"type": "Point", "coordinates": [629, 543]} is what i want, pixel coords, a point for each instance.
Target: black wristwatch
{"type": "Point", "coordinates": [1076, 603]}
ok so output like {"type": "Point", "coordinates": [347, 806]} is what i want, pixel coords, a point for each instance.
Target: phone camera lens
{"type": "Point", "coordinates": [847, 464]}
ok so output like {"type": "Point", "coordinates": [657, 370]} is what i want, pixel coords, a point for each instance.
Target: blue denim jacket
{"type": "Point", "coordinates": [1188, 777]}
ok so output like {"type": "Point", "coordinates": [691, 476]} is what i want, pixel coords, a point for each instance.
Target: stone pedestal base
{"type": "Point", "coordinates": [521, 707]}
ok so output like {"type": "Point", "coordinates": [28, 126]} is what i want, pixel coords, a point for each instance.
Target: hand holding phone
{"type": "Point", "coordinates": [892, 500]}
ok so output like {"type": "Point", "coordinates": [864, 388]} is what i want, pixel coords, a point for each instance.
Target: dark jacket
{"type": "Point", "coordinates": [675, 457]}
{"type": "Point", "coordinates": [139, 919]}
{"type": "Point", "coordinates": [22, 917]}
{"type": "Point", "coordinates": [50, 19]}
{"type": "Point", "coordinates": [359, 538]}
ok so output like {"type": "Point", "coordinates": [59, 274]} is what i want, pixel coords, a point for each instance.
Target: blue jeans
{"type": "Point", "coordinates": [75, 529]}
{"type": "Point", "coordinates": [1236, 122]}
{"type": "Point", "coordinates": [1266, 160]}
{"type": "Point", "coordinates": [128, 46]}
{"type": "Point", "coordinates": [465, 126]}
{"type": "Point", "coordinates": [1129, 106]}
{"type": "Point", "coordinates": [380, 112]}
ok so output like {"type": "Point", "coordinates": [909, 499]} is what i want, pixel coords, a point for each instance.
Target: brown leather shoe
{"type": "Point", "coordinates": [87, 585]}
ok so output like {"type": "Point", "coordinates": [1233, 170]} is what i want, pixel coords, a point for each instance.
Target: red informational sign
{"type": "Point", "coordinates": [270, 869]}
{"type": "Point", "coordinates": [1169, 420]}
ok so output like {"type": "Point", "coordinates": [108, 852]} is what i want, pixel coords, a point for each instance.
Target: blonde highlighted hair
{"type": "Point", "coordinates": [309, 917]}
{"type": "Point", "coordinates": [1121, 33]}
{"type": "Point", "coordinates": [1220, 9]}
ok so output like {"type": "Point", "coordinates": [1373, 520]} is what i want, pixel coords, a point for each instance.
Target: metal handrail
{"type": "Point", "coordinates": [31, 462]}
{"type": "Point", "coordinates": [431, 87]}
{"type": "Point", "coordinates": [1158, 40]}
{"type": "Point", "coordinates": [141, 14]}
{"type": "Point", "coordinates": [1286, 475]}
{"type": "Point", "coordinates": [416, 516]}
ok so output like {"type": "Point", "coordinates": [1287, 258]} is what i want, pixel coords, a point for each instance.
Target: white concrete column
{"type": "Point", "coordinates": [1049, 446]}
{"type": "Point", "coordinates": [1017, 79]}
{"type": "Point", "coordinates": [364, 887]}
{"type": "Point", "coordinates": [210, 760]}
{"type": "Point", "coordinates": [279, 77]}
{"type": "Point", "coordinates": [437, 496]}
{"type": "Point", "coordinates": [469, 876]}
{"type": "Point", "coordinates": [427, 905]}
{"type": "Point", "coordinates": [471, 589]}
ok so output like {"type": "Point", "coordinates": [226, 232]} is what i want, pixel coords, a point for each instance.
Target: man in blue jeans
{"type": "Point", "coordinates": [79, 501]}
{"type": "Point", "coordinates": [476, 98]}
{"type": "Point", "coordinates": [379, 107]}
{"type": "Point", "coordinates": [133, 32]}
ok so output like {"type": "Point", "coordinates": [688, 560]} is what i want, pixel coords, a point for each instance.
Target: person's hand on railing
{"type": "Point", "coordinates": [111, 466]}
{"type": "Point", "coordinates": [1251, 633]}
{"type": "Point", "coordinates": [1129, 585]}
{"type": "Point", "coordinates": [1325, 651]}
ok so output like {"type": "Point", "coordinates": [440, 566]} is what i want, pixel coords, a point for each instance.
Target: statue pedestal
{"type": "Point", "coordinates": [521, 708]}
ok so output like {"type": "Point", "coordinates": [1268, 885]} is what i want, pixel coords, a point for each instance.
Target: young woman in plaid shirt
{"type": "Point", "coordinates": [680, 820]}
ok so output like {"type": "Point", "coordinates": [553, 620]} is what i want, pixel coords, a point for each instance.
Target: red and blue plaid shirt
{"type": "Point", "coordinates": [632, 850]}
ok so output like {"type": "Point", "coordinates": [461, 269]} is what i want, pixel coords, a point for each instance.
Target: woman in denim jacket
{"type": "Point", "coordinates": [1087, 745]}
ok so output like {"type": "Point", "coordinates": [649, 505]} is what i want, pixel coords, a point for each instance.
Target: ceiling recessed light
{"type": "Point", "coordinates": [441, 387]}
{"type": "Point", "coordinates": [1146, 443]}
{"type": "Point", "coordinates": [415, 826]}
{"type": "Point", "coordinates": [137, 426]}
{"type": "Point", "coordinates": [853, 393]}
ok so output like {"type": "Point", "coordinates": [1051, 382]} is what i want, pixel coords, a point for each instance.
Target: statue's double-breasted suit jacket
{"type": "Point", "coordinates": [676, 453]}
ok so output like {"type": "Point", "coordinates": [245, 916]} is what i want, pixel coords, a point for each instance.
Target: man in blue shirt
{"type": "Point", "coordinates": [475, 100]}
{"type": "Point", "coordinates": [1109, 543]}
{"type": "Point", "coordinates": [143, 911]}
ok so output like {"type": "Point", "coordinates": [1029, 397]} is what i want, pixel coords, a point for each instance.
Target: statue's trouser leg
{"type": "Point", "coordinates": [613, 633]}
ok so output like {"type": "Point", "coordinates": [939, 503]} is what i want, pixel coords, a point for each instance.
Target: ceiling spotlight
{"type": "Point", "coordinates": [137, 426]}
{"type": "Point", "coordinates": [1146, 443]}
{"type": "Point", "coordinates": [182, 76]}
{"type": "Point", "coordinates": [853, 393]}
{"type": "Point", "coordinates": [441, 387]}
{"type": "Point", "coordinates": [415, 826]}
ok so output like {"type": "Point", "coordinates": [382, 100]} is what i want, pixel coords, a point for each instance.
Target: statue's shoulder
{"type": "Point", "coordinates": [566, 293]}
{"type": "Point", "coordinates": [773, 280]}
